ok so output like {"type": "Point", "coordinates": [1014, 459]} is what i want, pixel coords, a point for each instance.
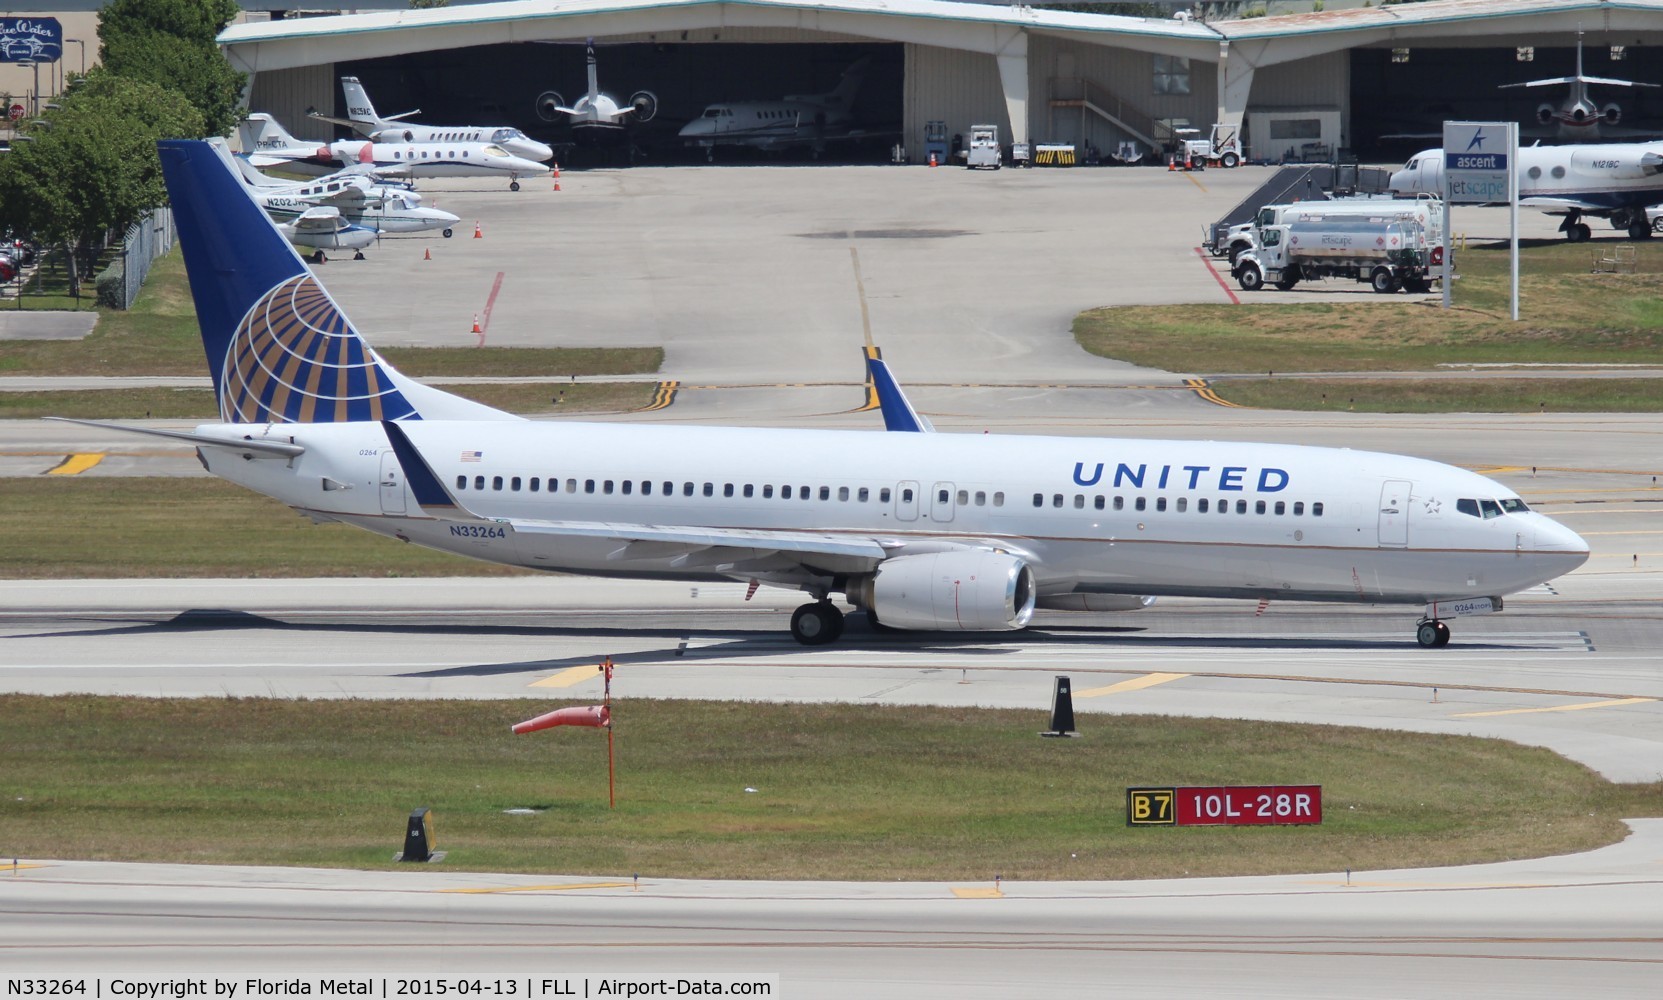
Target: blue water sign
{"type": "Point", "coordinates": [31, 39]}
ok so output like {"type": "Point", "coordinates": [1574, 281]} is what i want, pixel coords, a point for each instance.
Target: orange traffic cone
{"type": "Point", "coordinates": [427, 254]}
{"type": "Point", "coordinates": [1171, 164]}
{"type": "Point", "coordinates": [557, 180]}
{"type": "Point", "coordinates": [557, 171]}
{"type": "Point", "coordinates": [478, 233]}
{"type": "Point", "coordinates": [476, 328]}
{"type": "Point", "coordinates": [932, 159]}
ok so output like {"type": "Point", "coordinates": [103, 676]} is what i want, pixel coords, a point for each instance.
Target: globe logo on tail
{"type": "Point", "coordinates": [295, 359]}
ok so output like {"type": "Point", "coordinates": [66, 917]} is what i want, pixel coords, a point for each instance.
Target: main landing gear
{"type": "Point", "coordinates": [1432, 634]}
{"type": "Point", "coordinates": [816, 624]}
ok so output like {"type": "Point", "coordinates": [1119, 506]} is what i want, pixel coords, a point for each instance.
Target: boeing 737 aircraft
{"type": "Point", "coordinates": [268, 144]}
{"type": "Point", "coordinates": [811, 119]}
{"type": "Point", "coordinates": [922, 530]}
{"type": "Point", "coordinates": [1615, 181]}
{"type": "Point", "coordinates": [363, 120]}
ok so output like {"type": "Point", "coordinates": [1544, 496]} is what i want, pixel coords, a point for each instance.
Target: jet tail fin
{"type": "Point", "coordinates": [844, 93]}
{"type": "Point", "coordinates": [358, 106]}
{"type": "Point", "coordinates": [898, 414]}
{"type": "Point", "coordinates": [279, 348]}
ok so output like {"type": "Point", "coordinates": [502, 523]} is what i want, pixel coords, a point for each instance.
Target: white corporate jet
{"type": "Point", "coordinates": [361, 118]}
{"type": "Point", "coordinates": [268, 144]}
{"type": "Point", "coordinates": [807, 119]}
{"type": "Point", "coordinates": [597, 119]}
{"type": "Point", "coordinates": [1609, 180]}
{"type": "Point", "coordinates": [921, 530]}
{"type": "Point", "coordinates": [354, 192]}
{"type": "Point", "coordinates": [1578, 118]}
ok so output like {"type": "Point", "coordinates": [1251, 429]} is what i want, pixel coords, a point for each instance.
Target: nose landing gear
{"type": "Point", "coordinates": [1432, 634]}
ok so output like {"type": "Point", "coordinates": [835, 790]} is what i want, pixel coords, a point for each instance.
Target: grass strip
{"type": "Point", "coordinates": [840, 791]}
{"type": "Point", "coordinates": [1403, 395]}
{"type": "Point", "coordinates": [198, 404]}
{"type": "Point", "coordinates": [1568, 316]}
{"type": "Point", "coordinates": [90, 526]}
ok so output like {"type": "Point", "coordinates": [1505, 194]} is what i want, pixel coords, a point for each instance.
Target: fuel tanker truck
{"type": "Point", "coordinates": [1389, 254]}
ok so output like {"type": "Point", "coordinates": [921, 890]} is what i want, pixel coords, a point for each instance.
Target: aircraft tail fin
{"type": "Point", "coordinates": [280, 350]}
{"type": "Point", "coordinates": [898, 414]}
{"type": "Point", "coordinates": [260, 131]}
{"type": "Point", "coordinates": [594, 79]}
{"type": "Point", "coordinates": [844, 93]}
{"type": "Point", "coordinates": [358, 106]}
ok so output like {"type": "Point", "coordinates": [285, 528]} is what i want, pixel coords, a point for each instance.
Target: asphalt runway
{"type": "Point", "coordinates": [763, 285]}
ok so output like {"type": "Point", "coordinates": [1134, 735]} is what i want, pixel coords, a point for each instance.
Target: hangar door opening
{"type": "Point", "coordinates": [501, 84]}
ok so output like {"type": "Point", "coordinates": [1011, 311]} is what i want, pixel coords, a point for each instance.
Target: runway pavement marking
{"type": "Point", "coordinates": [540, 888]}
{"type": "Point", "coordinates": [1612, 703]}
{"type": "Point", "coordinates": [1134, 684]}
{"type": "Point", "coordinates": [18, 866]}
{"type": "Point", "coordinates": [569, 677]}
{"type": "Point", "coordinates": [662, 397]}
{"type": "Point", "coordinates": [973, 893]}
{"type": "Point", "coordinates": [1217, 277]}
{"type": "Point", "coordinates": [1205, 391]}
{"type": "Point", "coordinates": [1357, 884]}
{"type": "Point", "coordinates": [74, 465]}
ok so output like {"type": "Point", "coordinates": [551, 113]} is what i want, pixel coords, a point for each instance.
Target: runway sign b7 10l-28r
{"type": "Point", "coordinates": [1224, 805]}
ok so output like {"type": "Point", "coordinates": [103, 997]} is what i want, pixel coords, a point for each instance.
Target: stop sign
{"type": "Point", "coordinates": [16, 112]}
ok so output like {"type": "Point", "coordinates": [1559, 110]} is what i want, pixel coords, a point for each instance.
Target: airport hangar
{"type": "Point", "coordinates": [1302, 86]}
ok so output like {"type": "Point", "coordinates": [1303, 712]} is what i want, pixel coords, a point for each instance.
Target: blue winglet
{"type": "Point", "coordinates": [424, 483]}
{"type": "Point", "coordinates": [898, 414]}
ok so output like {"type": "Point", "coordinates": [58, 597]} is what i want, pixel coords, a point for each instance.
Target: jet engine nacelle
{"type": "Point", "coordinates": [1611, 114]}
{"type": "Point", "coordinates": [1095, 602]}
{"type": "Point", "coordinates": [645, 104]}
{"type": "Point", "coordinates": [1544, 113]}
{"type": "Point", "coordinates": [549, 103]}
{"type": "Point", "coordinates": [957, 591]}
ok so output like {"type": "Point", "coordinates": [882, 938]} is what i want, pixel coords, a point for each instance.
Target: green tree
{"type": "Point", "coordinates": [171, 43]}
{"type": "Point", "coordinates": [92, 166]}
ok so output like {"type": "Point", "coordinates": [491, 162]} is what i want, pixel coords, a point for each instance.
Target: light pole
{"type": "Point", "coordinates": [83, 46]}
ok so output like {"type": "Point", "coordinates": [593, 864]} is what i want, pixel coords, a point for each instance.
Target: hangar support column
{"type": "Point", "coordinates": [1235, 81]}
{"type": "Point", "coordinates": [1012, 54]}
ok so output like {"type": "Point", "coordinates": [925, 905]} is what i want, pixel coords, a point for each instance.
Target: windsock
{"type": "Point", "coordinates": [594, 716]}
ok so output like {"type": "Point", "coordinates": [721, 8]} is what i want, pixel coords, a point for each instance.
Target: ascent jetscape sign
{"type": "Point", "coordinates": [1225, 805]}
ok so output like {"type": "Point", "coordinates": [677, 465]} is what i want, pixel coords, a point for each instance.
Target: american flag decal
{"type": "Point", "coordinates": [472, 456]}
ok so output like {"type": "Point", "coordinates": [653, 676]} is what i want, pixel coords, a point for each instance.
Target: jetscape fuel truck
{"type": "Point", "coordinates": [1389, 254]}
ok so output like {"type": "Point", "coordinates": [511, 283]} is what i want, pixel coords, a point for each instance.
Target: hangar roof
{"type": "Point", "coordinates": [975, 26]}
{"type": "Point", "coordinates": [1597, 15]}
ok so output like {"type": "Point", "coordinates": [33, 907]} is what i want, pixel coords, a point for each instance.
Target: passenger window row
{"type": "Point", "coordinates": [647, 487]}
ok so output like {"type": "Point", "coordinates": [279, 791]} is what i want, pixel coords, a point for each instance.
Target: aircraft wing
{"type": "Point", "coordinates": [709, 546]}
{"type": "Point", "coordinates": [322, 219]}
{"type": "Point", "coordinates": [343, 122]}
{"type": "Point", "coordinates": [1550, 204]}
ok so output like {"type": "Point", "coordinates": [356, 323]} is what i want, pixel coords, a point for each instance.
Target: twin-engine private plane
{"type": "Point", "coordinates": [597, 119]}
{"type": "Point", "coordinates": [922, 530]}
{"type": "Point", "coordinates": [268, 144]}
{"type": "Point", "coordinates": [361, 118]}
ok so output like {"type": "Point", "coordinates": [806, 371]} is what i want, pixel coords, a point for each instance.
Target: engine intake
{"type": "Point", "coordinates": [962, 591]}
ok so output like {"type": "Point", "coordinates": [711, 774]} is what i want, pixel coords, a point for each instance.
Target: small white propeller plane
{"type": "Point", "coordinates": [918, 529]}
{"type": "Point", "coordinates": [363, 120]}
{"type": "Point", "coordinates": [597, 119]}
{"type": "Point", "coordinates": [268, 144]}
{"type": "Point", "coordinates": [355, 192]}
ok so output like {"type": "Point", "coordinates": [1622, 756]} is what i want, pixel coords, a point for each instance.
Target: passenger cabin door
{"type": "Point", "coordinates": [392, 484]}
{"type": "Point", "coordinates": [906, 501]}
{"type": "Point", "coordinates": [1394, 514]}
{"type": "Point", "coordinates": [941, 502]}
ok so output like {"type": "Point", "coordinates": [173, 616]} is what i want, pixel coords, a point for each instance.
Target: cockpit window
{"type": "Point", "coordinates": [505, 134]}
{"type": "Point", "coordinates": [1490, 508]}
{"type": "Point", "coordinates": [1514, 506]}
{"type": "Point", "coordinates": [1467, 506]}
{"type": "Point", "coordinates": [1411, 164]}
{"type": "Point", "coordinates": [713, 112]}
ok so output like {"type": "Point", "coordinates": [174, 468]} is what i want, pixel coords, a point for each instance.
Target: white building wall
{"type": "Point", "coordinates": [958, 87]}
{"type": "Point", "coordinates": [1118, 76]}
{"type": "Point", "coordinates": [285, 94]}
{"type": "Point", "coordinates": [1318, 82]}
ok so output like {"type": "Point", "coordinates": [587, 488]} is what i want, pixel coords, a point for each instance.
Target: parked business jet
{"type": "Point", "coordinates": [926, 531]}
{"type": "Point", "coordinates": [1578, 118]}
{"type": "Point", "coordinates": [1615, 181]}
{"type": "Point", "coordinates": [811, 119]}
{"type": "Point", "coordinates": [597, 119]}
{"type": "Point", "coordinates": [268, 144]}
{"type": "Point", "coordinates": [353, 192]}
{"type": "Point", "coordinates": [361, 118]}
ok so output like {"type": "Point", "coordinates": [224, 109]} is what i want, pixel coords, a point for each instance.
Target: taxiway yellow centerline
{"type": "Point", "coordinates": [76, 464]}
{"type": "Point", "coordinates": [1135, 684]}
{"type": "Point", "coordinates": [1612, 703]}
{"type": "Point", "coordinates": [568, 677]}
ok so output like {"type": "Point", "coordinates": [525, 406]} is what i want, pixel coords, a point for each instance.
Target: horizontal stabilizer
{"type": "Point", "coordinates": [252, 447]}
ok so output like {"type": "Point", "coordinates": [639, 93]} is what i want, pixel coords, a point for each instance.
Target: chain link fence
{"type": "Point", "coordinates": [147, 239]}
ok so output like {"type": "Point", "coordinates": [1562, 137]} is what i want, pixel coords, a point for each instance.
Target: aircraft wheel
{"type": "Point", "coordinates": [1383, 281]}
{"type": "Point", "coordinates": [1251, 279]}
{"type": "Point", "coordinates": [816, 624]}
{"type": "Point", "coordinates": [448, 234]}
{"type": "Point", "coordinates": [1579, 233]}
{"type": "Point", "coordinates": [1443, 635]}
{"type": "Point", "coordinates": [513, 185]}
{"type": "Point", "coordinates": [359, 255]}
{"type": "Point", "coordinates": [319, 258]}
{"type": "Point", "coordinates": [1426, 633]}
{"type": "Point", "coordinates": [1229, 160]}
{"type": "Point", "coordinates": [1639, 231]}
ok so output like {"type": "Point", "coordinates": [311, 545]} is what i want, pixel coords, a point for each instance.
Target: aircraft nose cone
{"type": "Point", "coordinates": [1551, 536]}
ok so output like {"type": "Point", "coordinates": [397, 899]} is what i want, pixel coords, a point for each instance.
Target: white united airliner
{"type": "Point", "coordinates": [922, 530]}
